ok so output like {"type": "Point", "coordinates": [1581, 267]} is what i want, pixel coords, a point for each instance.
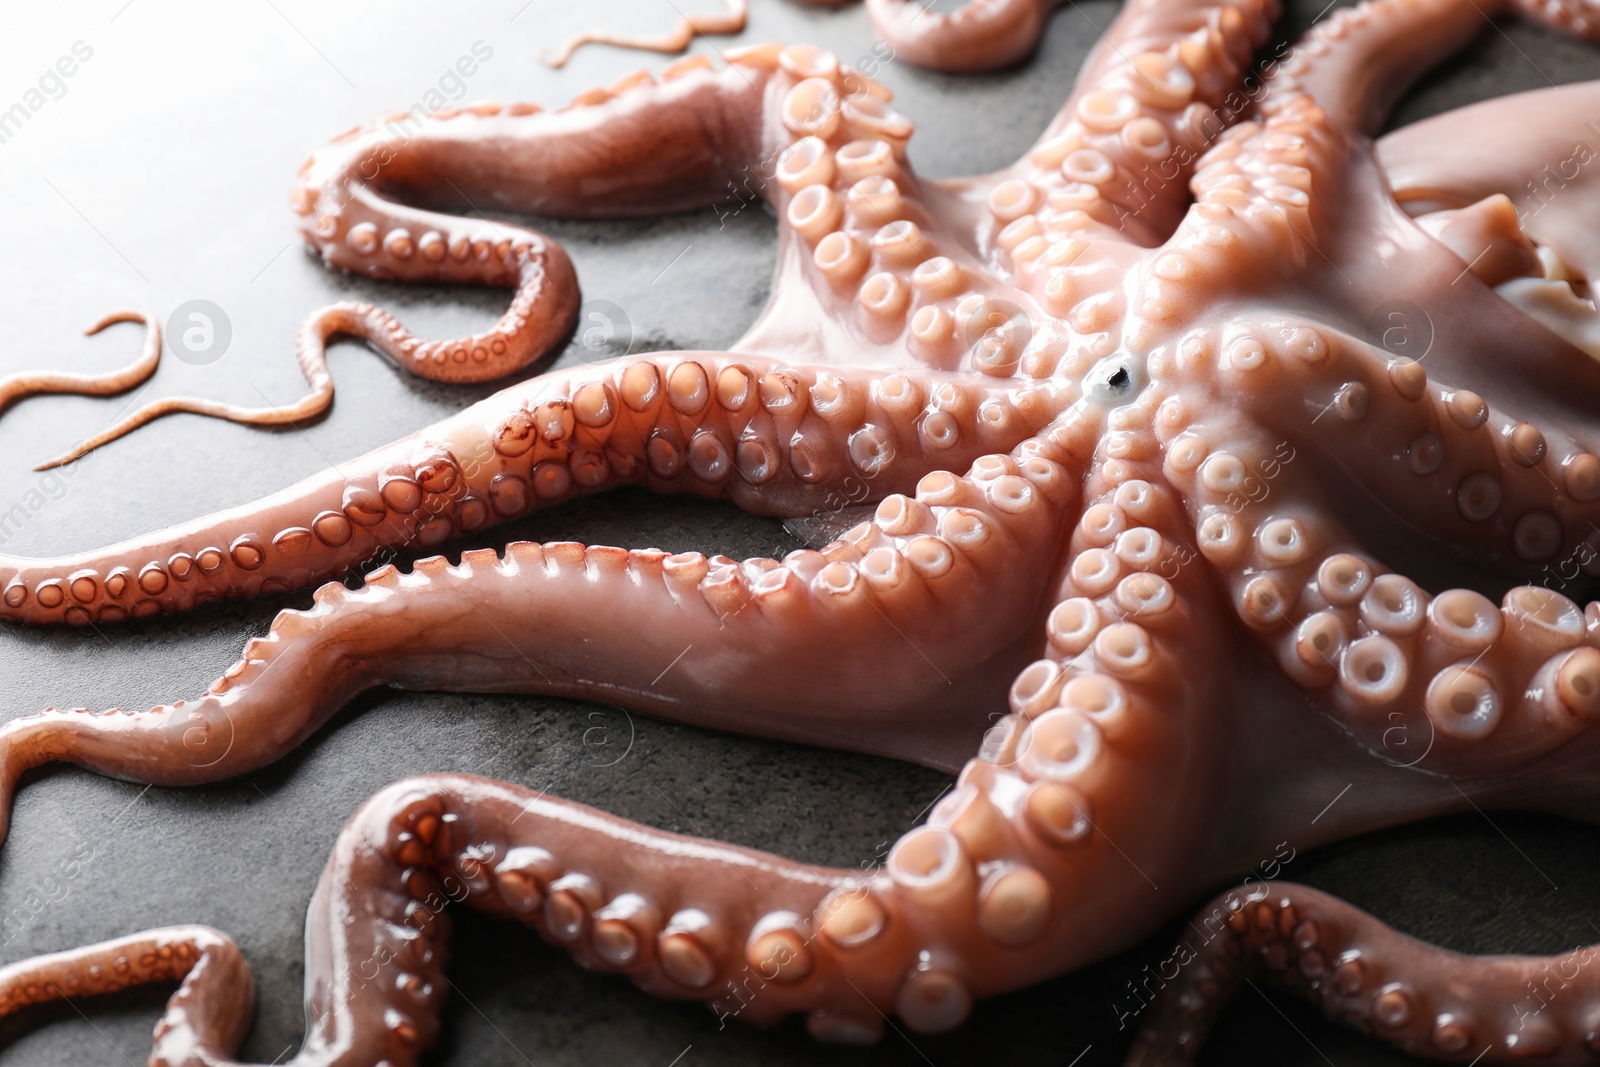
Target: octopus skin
{"type": "Point", "coordinates": [1186, 534]}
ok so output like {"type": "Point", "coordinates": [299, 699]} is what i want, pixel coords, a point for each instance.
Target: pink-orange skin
{"type": "Point", "coordinates": [977, 36]}
{"type": "Point", "coordinates": [728, 21]}
{"type": "Point", "coordinates": [1111, 428]}
{"type": "Point", "coordinates": [18, 387]}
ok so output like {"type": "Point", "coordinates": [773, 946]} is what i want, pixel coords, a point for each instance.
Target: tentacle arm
{"type": "Point", "coordinates": [675, 140]}
{"type": "Point", "coordinates": [1264, 192]}
{"type": "Point", "coordinates": [645, 145]}
{"type": "Point", "coordinates": [1256, 185]}
{"type": "Point", "coordinates": [978, 35]}
{"type": "Point", "coordinates": [1279, 182]}
{"type": "Point", "coordinates": [677, 39]}
{"type": "Point", "coordinates": [1496, 489]}
{"type": "Point", "coordinates": [1160, 88]}
{"type": "Point", "coordinates": [1461, 1009]}
{"type": "Point", "coordinates": [894, 610]}
{"type": "Point", "coordinates": [772, 439]}
{"type": "Point", "coordinates": [1442, 673]}
{"type": "Point", "coordinates": [1020, 872]}
{"type": "Point", "coordinates": [34, 383]}
{"type": "Point", "coordinates": [759, 936]}
{"type": "Point", "coordinates": [1358, 61]}
{"type": "Point", "coordinates": [211, 1009]}
{"type": "Point", "coordinates": [541, 313]}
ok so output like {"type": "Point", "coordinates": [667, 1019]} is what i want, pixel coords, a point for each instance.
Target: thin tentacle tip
{"type": "Point", "coordinates": [112, 318]}
{"type": "Point", "coordinates": [71, 456]}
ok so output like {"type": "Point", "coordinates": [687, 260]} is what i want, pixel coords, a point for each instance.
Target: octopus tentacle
{"type": "Point", "coordinates": [1280, 181]}
{"type": "Point", "coordinates": [1359, 61]}
{"type": "Point", "coordinates": [1161, 88]}
{"type": "Point", "coordinates": [978, 35]}
{"type": "Point", "coordinates": [17, 387]}
{"type": "Point", "coordinates": [692, 128]}
{"type": "Point", "coordinates": [213, 1004]}
{"type": "Point", "coordinates": [1514, 495]}
{"type": "Point", "coordinates": [1451, 1007]}
{"type": "Point", "coordinates": [914, 572]}
{"type": "Point", "coordinates": [868, 261]}
{"type": "Point", "coordinates": [644, 145]}
{"type": "Point", "coordinates": [490, 354]}
{"type": "Point", "coordinates": [1011, 874]}
{"type": "Point", "coordinates": [682, 917]}
{"type": "Point", "coordinates": [447, 248]}
{"type": "Point", "coordinates": [1260, 187]}
{"type": "Point", "coordinates": [677, 39]}
{"type": "Point", "coordinates": [1395, 660]}
{"type": "Point", "coordinates": [1120, 664]}
{"type": "Point", "coordinates": [541, 312]}
{"type": "Point", "coordinates": [773, 439]}
{"type": "Point", "coordinates": [1496, 489]}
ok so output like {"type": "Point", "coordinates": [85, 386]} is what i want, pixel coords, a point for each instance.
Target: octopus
{"type": "Point", "coordinates": [1197, 443]}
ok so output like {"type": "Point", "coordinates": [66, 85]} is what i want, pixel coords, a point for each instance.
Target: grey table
{"type": "Point", "coordinates": [158, 173]}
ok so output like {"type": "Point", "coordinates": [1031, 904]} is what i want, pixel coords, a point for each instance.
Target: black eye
{"type": "Point", "coordinates": [1119, 379]}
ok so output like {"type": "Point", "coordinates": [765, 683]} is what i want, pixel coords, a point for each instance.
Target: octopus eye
{"type": "Point", "coordinates": [1120, 380]}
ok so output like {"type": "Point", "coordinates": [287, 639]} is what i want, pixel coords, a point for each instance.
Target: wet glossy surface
{"type": "Point", "coordinates": [176, 142]}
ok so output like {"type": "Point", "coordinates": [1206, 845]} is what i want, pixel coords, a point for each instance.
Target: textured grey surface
{"type": "Point", "coordinates": [160, 175]}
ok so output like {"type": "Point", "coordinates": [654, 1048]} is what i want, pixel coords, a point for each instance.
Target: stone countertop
{"type": "Point", "coordinates": [158, 173]}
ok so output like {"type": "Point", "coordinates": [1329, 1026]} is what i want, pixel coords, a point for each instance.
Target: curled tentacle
{"type": "Point", "coordinates": [677, 39]}
{"type": "Point", "coordinates": [1437, 1003]}
{"type": "Point", "coordinates": [677, 139]}
{"type": "Point", "coordinates": [310, 348]}
{"type": "Point", "coordinates": [210, 1010]}
{"type": "Point", "coordinates": [685, 918]}
{"type": "Point", "coordinates": [34, 383]}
